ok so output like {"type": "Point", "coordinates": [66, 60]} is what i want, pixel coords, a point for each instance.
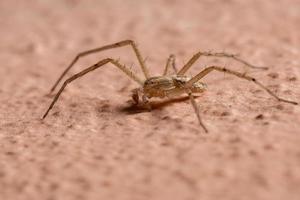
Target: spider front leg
{"type": "Point", "coordinates": [237, 74]}
{"type": "Point", "coordinates": [106, 47]}
{"type": "Point", "coordinates": [89, 69]}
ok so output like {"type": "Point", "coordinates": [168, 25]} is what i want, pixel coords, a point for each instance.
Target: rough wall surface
{"type": "Point", "coordinates": [93, 145]}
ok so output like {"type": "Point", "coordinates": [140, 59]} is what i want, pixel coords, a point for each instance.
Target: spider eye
{"type": "Point", "coordinates": [150, 82]}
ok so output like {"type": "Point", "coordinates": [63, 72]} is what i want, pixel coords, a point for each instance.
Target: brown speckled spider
{"type": "Point", "coordinates": [165, 85]}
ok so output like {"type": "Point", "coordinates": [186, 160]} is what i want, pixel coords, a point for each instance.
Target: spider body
{"type": "Point", "coordinates": [169, 86]}
{"type": "Point", "coordinates": [165, 85]}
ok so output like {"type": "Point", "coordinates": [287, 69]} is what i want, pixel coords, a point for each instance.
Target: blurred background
{"type": "Point", "coordinates": [89, 149]}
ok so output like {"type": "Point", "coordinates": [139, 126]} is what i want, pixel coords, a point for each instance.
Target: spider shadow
{"type": "Point", "coordinates": [155, 105]}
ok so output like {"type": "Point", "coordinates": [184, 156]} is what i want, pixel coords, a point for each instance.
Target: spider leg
{"type": "Point", "coordinates": [89, 69]}
{"type": "Point", "coordinates": [106, 47]}
{"type": "Point", "coordinates": [170, 61]}
{"type": "Point", "coordinates": [195, 57]}
{"type": "Point", "coordinates": [237, 74]}
{"type": "Point", "coordinates": [196, 108]}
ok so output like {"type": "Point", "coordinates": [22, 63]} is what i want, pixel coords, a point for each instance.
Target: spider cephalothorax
{"type": "Point", "coordinates": [165, 85]}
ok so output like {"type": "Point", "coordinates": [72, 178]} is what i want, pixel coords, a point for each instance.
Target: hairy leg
{"type": "Point", "coordinates": [237, 74]}
{"type": "Point", "coordinates": [89, 69]}
{"type": "Point", "coordinates": [196, 108]}
{"type": "Point", "coordinates": [188, 65]}
{"type": "Point", "coordinates": [106, 47]}
{"type": "Point", "coordinates": [170, 61]}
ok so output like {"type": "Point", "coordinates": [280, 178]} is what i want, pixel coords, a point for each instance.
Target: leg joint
{"type": "Point", "coordinates": [124, 42]}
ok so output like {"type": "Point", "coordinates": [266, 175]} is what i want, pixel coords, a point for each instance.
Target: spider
{"type": "Point", "coordinates": [165, 85]}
